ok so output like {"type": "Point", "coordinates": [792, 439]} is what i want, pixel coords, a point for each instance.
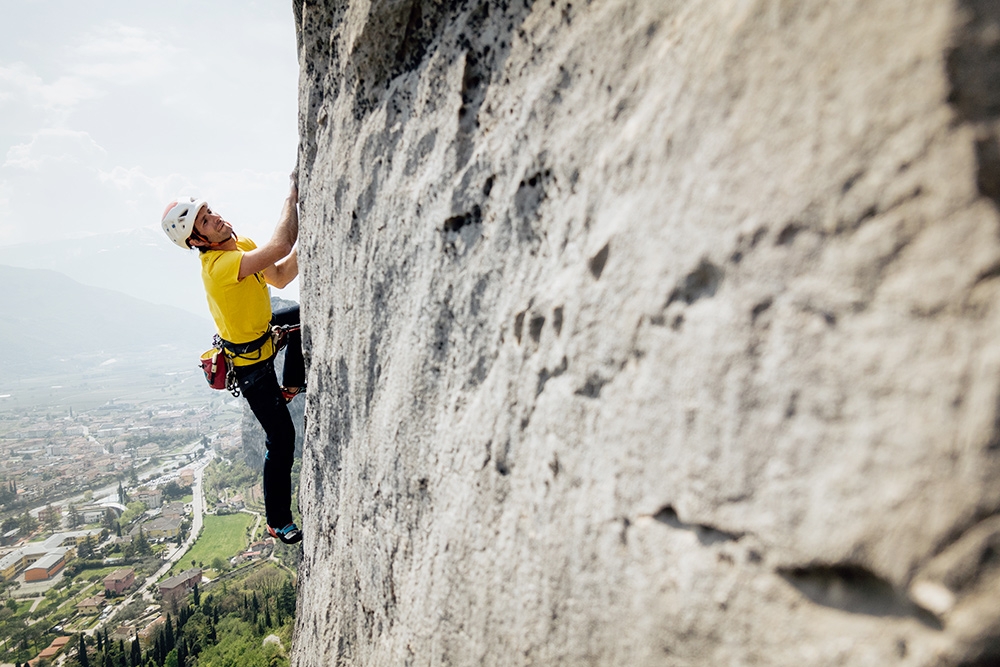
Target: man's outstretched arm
{"type": "Point", "coordinates": [281, 244]}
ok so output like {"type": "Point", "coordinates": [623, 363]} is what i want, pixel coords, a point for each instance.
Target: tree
{"type": "Point", "coordinates": [82, 654]}
{"type": "Point", "coordinates": [135, 509]}
{"type": "Point", "coordinates": [28, 523]}
{"type": "Point", "coordinates": [169, 633]}
{"type": "Point", "coordinates": [52, 517]}
{"type": "Point", "coordinates": [142, 547]}
{"type": "Point", "coordinates": [197, 595]}
{"type": "Point", "coordinates": [73, 517]}
{"type": "Point", "coordinates": [173, 491]}
{"type": "Point", "coordinates": [86, 547]}
{"type": "Point", "coordinates": [286, 599]}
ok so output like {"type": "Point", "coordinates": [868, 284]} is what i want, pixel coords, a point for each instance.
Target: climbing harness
{"type": "Point", "coordinates": [217, 363]}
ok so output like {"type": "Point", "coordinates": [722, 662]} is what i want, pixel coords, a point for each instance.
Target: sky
{"type": "Point", "coordinates": [108, 110]}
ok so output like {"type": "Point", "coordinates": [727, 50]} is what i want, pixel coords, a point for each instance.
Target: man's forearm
{"type": "Point", "coordinates": [288, 225]}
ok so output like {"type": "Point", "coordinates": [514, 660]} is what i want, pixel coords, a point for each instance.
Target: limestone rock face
{"type": "Point", "coordinates": [650, 333]}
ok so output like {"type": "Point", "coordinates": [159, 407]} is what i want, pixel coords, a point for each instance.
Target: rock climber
{"type": "Point", "coordinates": [236, 273]}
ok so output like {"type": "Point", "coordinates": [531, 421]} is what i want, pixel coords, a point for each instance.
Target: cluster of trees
{"type": "Point", "coordinates": [165, 441]}
{"type": "Point", "coordinates": [8, 492]}
{"type": "Point", "coordinates": [24, 521]}
{"type": "Point", "coordinates": [222, 475]}
{"type": "Point", "coordinates": [174, 491]}
{"type": "Point", "coordinates": [230, 622]}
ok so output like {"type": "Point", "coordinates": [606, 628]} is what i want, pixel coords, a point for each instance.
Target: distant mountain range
{"type": "Point", "coordinates": [138, 262]}
{"type": "Point", "coordinates": [50, 323]}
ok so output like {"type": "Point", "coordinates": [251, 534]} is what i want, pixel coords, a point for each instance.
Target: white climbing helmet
{"type": "Point", "coordinates": [178, 219]}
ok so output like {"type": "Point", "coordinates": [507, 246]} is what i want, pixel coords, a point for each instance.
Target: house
{"type": "Point", "coordinates": [91, 605]}
{"type": "Point", "coordinates": [177, 587]}
{"type": "Point", "coordinates": [253, 552]}
{"type": "Point", "coordinates": [186, 477]}
{"type": "Point", "coordinates": [151, 497]}
{"type": "Point", "coordinates": [148, 634]}
{"type": "Point", "coordinates": [147, 450]}
{"type": "Point", "coordinates": [173, 509]}
{"type": "Point", "coordinates": [92, 513]}
{"type": "Point", "coordinates": [162, 528]}
{"type": "Point", "coordinates": [119, 580]}
{"type": "Point", "coordinates": [58, 644]}
{"type": "Point", "coordinates": [124, 632]}
{"type": "Point", "coordinates": [49, 513]}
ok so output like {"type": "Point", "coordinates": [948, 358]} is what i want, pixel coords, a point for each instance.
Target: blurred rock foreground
{"type": "Point", "coordinates": [650, 333]}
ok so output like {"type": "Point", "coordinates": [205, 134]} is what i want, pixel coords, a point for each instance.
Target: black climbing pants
{"type": "Point", "coordinates": [259, 385]}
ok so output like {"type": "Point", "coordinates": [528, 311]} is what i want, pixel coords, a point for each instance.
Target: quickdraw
{"type": "Point", "coordinates": [279, 334]}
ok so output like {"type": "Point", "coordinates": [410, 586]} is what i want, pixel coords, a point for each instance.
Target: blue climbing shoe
{"type": "Point", "coordinates": [290, 534]}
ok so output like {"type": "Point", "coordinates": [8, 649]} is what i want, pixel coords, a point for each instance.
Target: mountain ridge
{"type": "Point", "coordinates": [46, 318]}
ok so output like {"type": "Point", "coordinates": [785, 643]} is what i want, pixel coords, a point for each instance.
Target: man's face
{"type": "Point", "coordinates": [210, 227]}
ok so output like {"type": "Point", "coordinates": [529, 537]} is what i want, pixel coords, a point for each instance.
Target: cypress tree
{"type": "Point", "coordinates": [100, 642]}
{"type": "Point", "coordinates": [197, 595]}
{"type": "Point", "coordinates": [136, 653]}
{"type": "Point", "coordinates": [82, 657]}
{"type": "Point", "coordinates": [169, 639]}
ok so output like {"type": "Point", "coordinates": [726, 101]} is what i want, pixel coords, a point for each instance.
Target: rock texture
{"type": "Point", "coordinates": [650, 333]}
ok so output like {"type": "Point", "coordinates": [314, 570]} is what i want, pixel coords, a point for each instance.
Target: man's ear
{"type": "Point", "coordinates": [194, 242]}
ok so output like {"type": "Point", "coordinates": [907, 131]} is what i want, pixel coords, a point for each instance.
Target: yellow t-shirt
{"type": "Point", "coordinates": [241, 308]}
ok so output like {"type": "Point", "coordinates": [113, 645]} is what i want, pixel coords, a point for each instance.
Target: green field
{"type": "Point", "coordinates": [222, 537]}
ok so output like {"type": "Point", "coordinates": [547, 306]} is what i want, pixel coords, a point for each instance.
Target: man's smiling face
{"type": "Point", "coordinates": [210, 228]}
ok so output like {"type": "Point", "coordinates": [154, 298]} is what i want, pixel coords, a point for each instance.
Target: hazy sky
{"type": "Point", "coordinates": [109, 109]}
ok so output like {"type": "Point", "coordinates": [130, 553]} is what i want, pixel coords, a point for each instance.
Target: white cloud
{"type": "Point", "coordinates": [111, 111]}
{"type": "Point", "coordinates": [122, 55]}
{"type": "Point", "coordinates": [20, 85]}
{"type": "Point", "coordinates": [126, 179]}
{"type": "Point", "coordinates": [54, 145]}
